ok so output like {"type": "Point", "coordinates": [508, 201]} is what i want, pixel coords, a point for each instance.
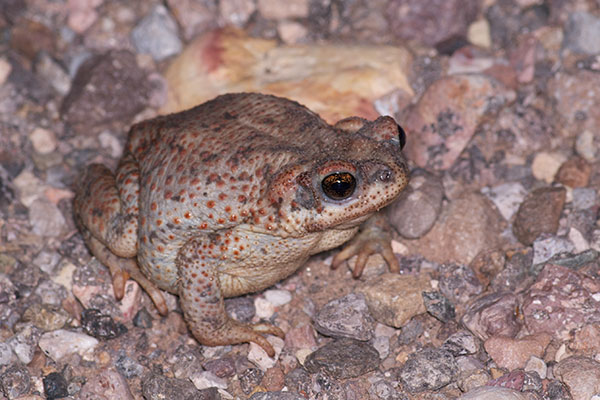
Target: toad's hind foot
{"type": "Point", "coordinates": [123, 268]}
{"type": "Point", "coordinates": [234, 332]}
{"type": "Point", "coordinates": [373, 238]}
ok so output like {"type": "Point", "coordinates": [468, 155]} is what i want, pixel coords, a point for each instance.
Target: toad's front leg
{"type": "Point", "coordinates": [201, 299]}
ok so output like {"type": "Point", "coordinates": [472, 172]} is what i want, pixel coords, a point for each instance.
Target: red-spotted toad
{"type": "Point", "coordinates": [234, 195]}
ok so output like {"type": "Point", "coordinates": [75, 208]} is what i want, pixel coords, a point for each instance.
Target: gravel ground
{"type": "Point", "coordinates": [498, 234]}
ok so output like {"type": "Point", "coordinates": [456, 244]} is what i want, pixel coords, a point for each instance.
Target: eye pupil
{"type": "Point", "coordinates": [401, 137]}
{"type": "Point", "coordinates": [339, 185]}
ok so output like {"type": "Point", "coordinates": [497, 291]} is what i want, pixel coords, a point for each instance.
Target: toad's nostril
{"type": "Point", "coordinates": [384, 175]}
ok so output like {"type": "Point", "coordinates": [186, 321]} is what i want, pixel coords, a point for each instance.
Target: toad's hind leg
{"type": "Point", "coordinates": [201, 299]}
{"type": "Point", "coordinates": [107, 209]}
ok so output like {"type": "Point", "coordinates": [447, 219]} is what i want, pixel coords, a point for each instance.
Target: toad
{"type": "Point", "coordinates": [234, 195]}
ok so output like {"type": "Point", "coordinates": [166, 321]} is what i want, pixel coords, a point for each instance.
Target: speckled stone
{"type": "Point", "coordinates": [343, 359]}
{"type": "Point", "coordinates": [539, 213]}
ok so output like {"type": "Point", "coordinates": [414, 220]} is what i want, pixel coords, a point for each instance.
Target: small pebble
{"type": "Point", "coordinates": [61, 343]}
{"type": "Point", "coordinates": [278, 297]}
{"type": "Point", "coordinates": [439, 306]}
{"type": "Point", "coordinates": [156, 34]}
{"type": "Point", "coordinates": [545, 165]}
{"type": "Point", "coordinates": [258, 355]}
{"type": "Point", "coordinates": [274, 9]}
{"type": "Point", "coordinates": [428, 369]}
{"type": "Point", "coordinates": [545, 248]}
{"type": "Point", "coordinates": [343, 359]}
{"type": "Point", "coordinates": [15, 381]}
{"type": "Point", "coordinates": [5, 69]}
{"type": "Point", "coordinates": [581, 33]}
{"type": "Point", "coordinates": [507, 197]}
{"type": "Point", "coordinates": [101, 326]}
{"type": "Point", "coordinates": [6, 354]}
{"type": "Point", "coordinates": [206, 379]}
{"type": "Point", "coordinates": [43, 140]}
{"type": "Point", "coordinates": [128, 367]}
{"type": "Point", "coordinates": [587, 146]}
{"type": "Point", "coordinates": [494, 393]}
{"type": "Point", "coordinates": [537, 365]}
{"type": "Point", "coordinates": [46, 219]}
{"type": "Point", "coordinates": [512, 353]}
{"type": "Point", "coordinates": [539, 213]}
{"type": "Point", "coordinates": [55, 386]}
{"type": "Point", "coordinates": [107, 383]}
{"type": "Point", "coordinates": [381, 294]}
{"type": "Point", "coordinates": [346, 317]}
{"type": "Point", "coordinates": [461, 343]}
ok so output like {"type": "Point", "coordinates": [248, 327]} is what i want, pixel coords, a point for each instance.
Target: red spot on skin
{"type": "Point", "coordinates": [192, 195]}
{"type": "Point", "coordinates": [262, 211]}
{"type": "Point", "coordinates": [245, 188]}
{"type": "Point", "coordinates": [244, 213]}
{"type": "Point", "coordinates": [233, 218]}
{"type": "Point", "coordinates": [221, 221]}
{"type": "Point", "coordinates": [210, 204]}
{"type": "Point", "coordinates": [195, 181]}
{"type": "Point", "coordinates": [128, 181]}
{"type": "Point", "coordinates": [115, 201]}
{"type": "Point", "coordinates": [168, 194]}
{"type": "Point", "coordinates": [171, 237]}
{"type": "Point", "coordinates": [210, 216]}
{"type": "Point", "coordinates": [181, 167]}
{"type": "Point", "coordinates": [242, 247]}
{"type": "Point", "coordinates": [236, 253]}
{"type": "Point", "coordinates": [222, 196]}
{"type": "Point", "coordinates": [194, 275]}
{"type": "Point", "coordinates": [158, 222]}
{"type": "Point", "coordinates": [182, 180]}
{"type": "Point", "coordinates": [176, 221]}
{"type": "Point", "coordinates": [203, 225]}
{"type": "Point", "coordinates": [169, 180]}
{"type": "Point", "coordinates": [223, 248]}
{"type": "Point", "coordinates": [187, 215]}
{"type": "Point", "coordinates": [227, 209]}
{"type": "Point", "coordinates": [160, 248]}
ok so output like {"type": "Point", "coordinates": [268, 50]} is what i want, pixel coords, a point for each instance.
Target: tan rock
{"type": "Point", "coordinates": [318, 76]}
{"type": "Point", "coordinates": [393, 299]}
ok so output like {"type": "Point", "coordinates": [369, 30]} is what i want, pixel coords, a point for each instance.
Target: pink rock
{"type": "Point", "coordinates": [446, 116]}
{"type": "Point", "coordinates": [302, 337]}
{"type": "Point", "coordinates": [512, 353]}
{"type": "Point", "coordinates": [561, 301]}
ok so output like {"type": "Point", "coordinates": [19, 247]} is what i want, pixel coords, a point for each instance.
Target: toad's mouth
{"type": "Point", "coordinates": [351, 223]}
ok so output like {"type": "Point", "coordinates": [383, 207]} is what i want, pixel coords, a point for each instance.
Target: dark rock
{"type": "Point", "coordinates": [346, 317]}
{"type": "Point", "coordinates": [517, 273]}
{"type": "Point", "coordinates": [343, 358]}
{"type": "Point", "coordinates": [55, 386]}
{"type": "Point", "coordinates": [492, 314]}
{"type": "Point", "coordinates": [428, 369]}
{"type": "Point", "coordinates": [101, 326]}
{"type": "Point", "coordinates": [439, 306]}
{"type": "Point", "coordinates": [108, 88]}
{"type": "Point", "coordinates": [411, 331]}
{"type": "Point", "coordinates": [539, 213]}
{"type": "Point", "coordinates": [143, 319]}
{"type": "Point", "coordinates": [459, 283]}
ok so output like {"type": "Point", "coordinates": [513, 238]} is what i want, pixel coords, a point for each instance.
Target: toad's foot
{"type": "Point", "coordinates": [121, 269]}
{"type": "Point", "coordinates": [374, 237]}
{"type": "Point", "coordinates": [234, 332]}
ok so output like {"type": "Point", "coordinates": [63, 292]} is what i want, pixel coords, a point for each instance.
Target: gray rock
{"type": "Point", "coordinates": [346, 317]}
{"type": "Point", "coordinates": [507, 197]}
{"type": "Point", "coordinates": [6, 354]}
{"type": "Point", "coordinates": [582, 31]}
{"type": "Point", "coordinates": [46, 219]}
{"type": "Point", "coordinates": [419, 206]}
{"type": "Point", "coordinates": [584, 198]}
{"type": "Point", "coordinates": [461, 343]}
{"type": "Point", "coordinates": [545, 248]}
{"type": "Point", "coordinates": [107, 88]}
{"type": "Point", "coordinates": [343, 358]}
{"type": "Point", "coordinates": [581, 375]}
{"type": "Point", "coordinates": [156, 34]}
{"type": "Point", "coordinates": [15, 381]}
{"type": "Point", "coordinates": [439, 306]}
{"type": "Point", "coordinates": [428, 369]}
{"type": "Point", "coordinates": [158, 387]}
{"type": "Point", "coordinates": [494, 393]}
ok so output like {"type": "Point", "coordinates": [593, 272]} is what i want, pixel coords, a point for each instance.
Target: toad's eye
{"type": "Point", "coordinates": [401, 137]}
{"type": "Point", "coordinates": [339, 185]}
